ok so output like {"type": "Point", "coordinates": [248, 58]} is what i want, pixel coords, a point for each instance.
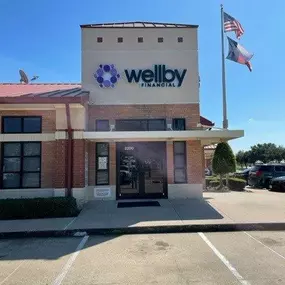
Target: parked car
{"type": "Point", "coordinates": [208, 172]}
{"type": "Point", "coordinates": [243, 174]}
{"type": "Point", "coordinates": [261, 175]}
{"type": "Point", "coordinates": [277, 184]}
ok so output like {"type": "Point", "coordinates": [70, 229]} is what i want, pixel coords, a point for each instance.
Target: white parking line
{"type": "Point", "coordinates": [224, 260]}
{"type": "Point", "coordinates": [69, 223]}
{"type": "Point", "coordinates": [70, 261]}
{"type": "Point", "coordinates": [3, 281]}
{"type": "Point", "coordinates": [272, 250]}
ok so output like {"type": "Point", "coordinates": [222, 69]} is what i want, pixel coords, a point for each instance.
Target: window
{"type": "Point", "coordinates": [160, 40]}
{"type": "Point", "coordinates": [21, 165]}
{"type": "Point", "coordinates": [279, 168]}
{"type": "Point", "coordinates": [180, 39]}
{"type": "Point", "coordinates": [102, 126]}
{"type": "Point", "coordinates": [178, 124]}
{"type": "Point", "coordinates": [99, 40]}
{"type": "Point", "coordinates": [140, 39]}
{"type": "Point", "coordinates": [141, 125]}
{"type": "Point", "coordinates": [120, 40]}
{"type": "Point", "coordinates": [180, 168]}
{"type": "Point", "coordinates": [15, 125]}
{"type": "Point", "coordinates": [102, 163]}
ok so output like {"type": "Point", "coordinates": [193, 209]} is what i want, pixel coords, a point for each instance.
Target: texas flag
{"type": "Point", "coordinates": [238, 53]}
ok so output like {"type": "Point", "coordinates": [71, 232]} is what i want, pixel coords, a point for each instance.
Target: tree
{"type": "Point", "coordinates": [224, 161]}
{"type": "Point", "coordinates": [240, 157]}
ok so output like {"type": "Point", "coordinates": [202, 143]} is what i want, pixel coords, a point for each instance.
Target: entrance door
{"type": "Point", "coordinates": [141, 170]}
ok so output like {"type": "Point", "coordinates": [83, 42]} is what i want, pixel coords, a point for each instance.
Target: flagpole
{"type": "Point", "coordinates": [225, 119]}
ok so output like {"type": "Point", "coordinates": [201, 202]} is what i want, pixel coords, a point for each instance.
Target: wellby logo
{"type": "Point", "coordinates": [107, 75]}
{"type": "Point", "coordinates": [159, 76]}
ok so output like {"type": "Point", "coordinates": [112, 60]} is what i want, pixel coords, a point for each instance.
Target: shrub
{"type": "Point", "coordinates": [236, 184]}
{"type": "Point", "coordinates": [37, 208]}
{"type": "Point", "coordinates": [214, 183]}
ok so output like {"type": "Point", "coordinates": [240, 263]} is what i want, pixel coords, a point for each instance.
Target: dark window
{"type": "Point", "coordinates": [99, 40]}
{"type": "Point", "coordinates": [265, 168]}
{"type": "Point", "coordinates": [102, 126]}
{"type": "Point", "coordinates": [141, 125]}
{"type": "Point", "coordinates": [279, 168]}
{"type": "Point", "coordinates": [180, 39]}
{"type": "Point", "coordinates": [178, 124]}
{"type": "Point", "coordinates": [21, 165]}
{"type": "Point", "coordinates": [160, 40]}
{"type": "Point", "coordinates": [120, 40]}
{"type": "Point", "coordinates": [102, 163]}
{"type": "Point", "coordinates": [180, 168]}
{"type": "Point", "coordinates": [140, 39]}
{"type": "Point", "coordinates": [22, 125]}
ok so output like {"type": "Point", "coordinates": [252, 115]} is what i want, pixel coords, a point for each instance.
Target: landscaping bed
{"type": "Point", "coordinates": [234, 184]}
{"type": "Point", "coordinates": [38, 208]}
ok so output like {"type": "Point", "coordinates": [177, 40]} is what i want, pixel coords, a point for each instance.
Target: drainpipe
{"type": "Point", "coordinates": [69, 153]}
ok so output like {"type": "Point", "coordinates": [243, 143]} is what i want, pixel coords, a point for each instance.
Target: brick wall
{"type": "Point", "coordinates": [48, 164]}
{"type": "Point", "coordinates": [194, 162]}
{"type": "Point", "coordinates": [60, 163]}
{"type": "Point", "coordinates": [190, 112]}
{"type": "Point", "coordinates": [48, 118]}
{"type": "Point", "coordinates": [78, 172]}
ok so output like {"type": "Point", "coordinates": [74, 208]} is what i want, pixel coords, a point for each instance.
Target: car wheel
{"type": "Point", "coordinates": [267, 184]}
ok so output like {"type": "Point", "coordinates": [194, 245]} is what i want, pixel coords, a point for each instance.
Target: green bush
{"type": "Point", "coordinates": [215, 179]}
{"type": "Point", "coordinates": [37, 208]}
{"type": "Point", "coordinates": [236, 184]}
{"type": "Point", "coordinates": [214, 183]}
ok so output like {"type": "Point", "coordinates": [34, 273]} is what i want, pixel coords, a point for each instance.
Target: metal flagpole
{"type": "Point", "coordinates": [225, 118]}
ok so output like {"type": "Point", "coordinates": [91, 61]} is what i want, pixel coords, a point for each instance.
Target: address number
{"type": "Point", "coordinates": [129, 148]}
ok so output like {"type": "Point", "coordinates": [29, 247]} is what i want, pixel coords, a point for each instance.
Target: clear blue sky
{"type": "Point", "coordinates": [43, 37]}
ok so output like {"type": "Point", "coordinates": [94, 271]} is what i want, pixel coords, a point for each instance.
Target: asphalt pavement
{"type": "Point", "coordinates": [182, 258]}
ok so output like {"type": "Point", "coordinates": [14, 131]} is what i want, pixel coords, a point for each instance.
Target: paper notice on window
{"type": "Point", "coordinates": [102, 163]}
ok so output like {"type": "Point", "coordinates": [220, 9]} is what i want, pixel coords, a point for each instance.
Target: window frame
{"type": "Point", "coordinates": [176, 119]}
{"type": "Point", "coordinates": [22, 118]}
{"type": "Point", "coordinates": [185, 159]}
{"type": "Point", "coordinates": [21, 172]}
{"type": "Point", "coordinates": [96, 164]}
{"type": "Point", "coordinates": [96, 125]}
{"type": "Point", "coordinates": [120, 40]}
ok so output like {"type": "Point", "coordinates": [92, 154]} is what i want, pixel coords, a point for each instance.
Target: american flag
{"type": "Point", "coordinates": [231, 24]}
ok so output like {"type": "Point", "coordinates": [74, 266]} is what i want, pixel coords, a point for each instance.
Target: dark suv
{"type": "Point", "coordinates": [261, 175]}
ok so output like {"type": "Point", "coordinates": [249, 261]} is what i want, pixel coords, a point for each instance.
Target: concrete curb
{"type": "Point", "coordinates": [148, 230]}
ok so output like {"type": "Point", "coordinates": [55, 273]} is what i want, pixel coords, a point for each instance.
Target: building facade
{"type": "Point", "coordinates": [132, 129]}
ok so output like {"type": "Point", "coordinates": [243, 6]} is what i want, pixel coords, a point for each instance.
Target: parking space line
{"type": "Point", "coordinates": [3, 281]}
{"type": "Point", "coordinates": [272, 250]}
{"type": "Point", "coordinates": [69, 223]}
{"type": "Point", "coordinates": [70, 261]}
{"type": "Point", "coordinates": [224, 260]}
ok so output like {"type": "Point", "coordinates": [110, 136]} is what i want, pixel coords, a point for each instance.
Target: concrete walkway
{"type": "Point", "coordinates": [233, 208]}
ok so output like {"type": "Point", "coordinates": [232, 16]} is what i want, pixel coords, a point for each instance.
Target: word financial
{"type": "Point", "coordinates": [159, 76]}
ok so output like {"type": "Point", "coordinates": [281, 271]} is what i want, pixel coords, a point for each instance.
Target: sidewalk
{"type": "Point", "coordinates": [258, 209]}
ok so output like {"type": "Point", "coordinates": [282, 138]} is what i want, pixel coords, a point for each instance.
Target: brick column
{"type": "Point", "coordinates": [48, 169]}
{"type": "Point", "coordinates": [91, 163]}
{"type": "Point", "coordinates": [112, 163]}
{"type": "Point", "coordinates": [78, 172]}
{"type": "Point", "coordinates": [60, 162]}
{"type": "Point", "coordinates": [194, 162]}
{"type": "Point", "coordinates": [170, 162]}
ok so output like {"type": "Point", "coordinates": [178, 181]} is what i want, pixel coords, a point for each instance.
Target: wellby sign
{"type": "Point", "coordinates": [107, 76]}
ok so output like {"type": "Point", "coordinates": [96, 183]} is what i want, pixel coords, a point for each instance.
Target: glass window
{"type": "Point", "coordinates": [140, 39]}
{"type": "Point", "coordinates": [32, 125]}
{"type": "Point", "coordinates": [180, 39]}
{"type": "Point", "coordinates": [21, 165]}
{"type": "Point", "coordinates": [160, 40]}
{"type": "Point", "coordinates": [156, 125]}
{"type": "Point", "coordinates": [180, 165]}
{"type": "Point", "coordinates": [120, 40]}
{"type": "Point", "coordinates": [178, 124]}
{"type": "Point", "coordinates": [22, 125]}
{"type": "Point", "coordinates": [12, 125]}
{"type": "Point", "coordinates": [102, 163]}
{"type": "Point", "coordinates": [99, 40]}
{"type": "Point", "coordinates": [102, 126]}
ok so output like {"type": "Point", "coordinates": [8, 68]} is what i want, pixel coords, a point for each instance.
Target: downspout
{"type": "Point", "coordinates": [69, 153]}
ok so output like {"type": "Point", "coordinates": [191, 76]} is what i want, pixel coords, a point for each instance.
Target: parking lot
{"type": "Point", "coordinates": [188, 258]}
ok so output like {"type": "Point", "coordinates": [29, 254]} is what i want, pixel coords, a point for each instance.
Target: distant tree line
{"type": "Point", "coordinates": [267, 152]}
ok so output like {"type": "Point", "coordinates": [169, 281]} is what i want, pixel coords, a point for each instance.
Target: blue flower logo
{"type": "Point", "coordinates": [107, 75]}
